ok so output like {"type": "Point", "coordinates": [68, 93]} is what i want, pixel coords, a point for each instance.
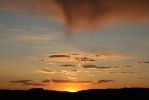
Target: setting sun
{"type": "Point", "coordinates": [71, 89]}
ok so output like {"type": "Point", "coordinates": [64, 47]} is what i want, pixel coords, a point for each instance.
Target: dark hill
{"type": "Point", "coordinates": [94, 94]}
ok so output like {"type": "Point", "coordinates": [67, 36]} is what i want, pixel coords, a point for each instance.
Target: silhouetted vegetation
{"type": "Point", "coordinates": [94, 94]}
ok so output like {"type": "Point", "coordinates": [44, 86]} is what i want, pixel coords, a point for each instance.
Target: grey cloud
{"type": "Point", "coordinates": [68, 65]}
{"type": "Point", "coordinates": [104, 81]}
{"type": "Point", "coordinates": [59, 56]}
{"type": "Point", "coordinates": [95, 67]}
{"type": "Point", "coordinates": [84, 59]}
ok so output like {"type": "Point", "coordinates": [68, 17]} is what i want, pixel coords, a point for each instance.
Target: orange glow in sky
{"type": "Point", "coordinates": [74, 45]}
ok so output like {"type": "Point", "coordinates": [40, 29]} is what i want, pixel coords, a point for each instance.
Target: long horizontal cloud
{"type": "Point", "coordinates": [84, 13]}
{"type": "Point", "coordinates": [47, 71]}
{"type": "Point", "coordinates": [59, 56]}
{"type": "Point", "coordinates": [84, 59]}
{"type": "Point", "coordinates": [123, 72]}
{"type": "Point", "coordinates": [106, 67]}
{"type": "Point", "coordinates": [68, 65]}
{"type": "Point", "coordinates": [21, 81]}
{"type": "Point", "coordinates": [104, 81]}
{"type": "Point", "coordinates": [27, 82]}
{"type": "Point", "coordinates": [144, 78]}
{"type": "Point", "coordinates": [46, 81]}
{"type": "Point", "coordinates": [143, 62]}
{"type": "Point", "coordinates": [69, 81]}
{"type": "Point", "coordinates": [77, 81]}
{"type": "Point", "coordinates": [95, 67]}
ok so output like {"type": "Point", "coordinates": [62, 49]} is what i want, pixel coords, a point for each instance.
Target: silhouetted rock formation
{"type": "Point", "coordinates": [94, 94]}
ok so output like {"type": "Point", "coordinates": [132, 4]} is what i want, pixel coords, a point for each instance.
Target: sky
{"type": "Point", "coordinates": [73, 45]}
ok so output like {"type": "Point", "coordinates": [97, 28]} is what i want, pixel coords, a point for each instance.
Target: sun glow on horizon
{"type": "Point", "coordinates": [71, 89]}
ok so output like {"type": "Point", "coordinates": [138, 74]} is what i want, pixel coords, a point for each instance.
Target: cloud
{"type": "Point", "coordinates": [74, 70]}
{"type": "Point", "coordinates": [1, 25]}
{"type": "Point", "coordinates": [75, 54]}
{"type": "Point", "coordinates": [21, 81]}
{"type": "Point", "coordinates": [104, 81]}
{"type": "Point", "coordinates": [45, 71]}
{"type": "Point", "coordinates": [92, 12]}
{"type": "Point", "coordinates": [68, 65]}
{"type": "Point", "coordinates": [144, 78]}
{"type": "Point", "coordinates": [83, 13]}
{"type": "Point", "coordinates": [83, 59]}
{"type": "Point", "coordinates": [27, 82]}
{"type": "Point", "coordinates": [143, 62]}
{"type": "Point", "coordinates": [122, 66]}
{"type": "Point", "coordinates": [123, 72]}
{"type": "Point", "coordinates": [69, 81]}
{"type": "Point", "coordinates": [35, 84]}
{"type": "Point", "coordinates": [59, 56]}
{"type": "Point", "coordinates": [64, 72]}
{"type": "Point", "coordinates": [94, 67]}
{"type": "Point", "coordinates": [107, 56]}
{"type": "Point", "coordinates": [78, 81]}
{"type": "Point", "coordinates": [88, 66]}
{"type": "Point", "coordinates": [46, 81]}
{"type": "Point", "coordinates": [34, 37]}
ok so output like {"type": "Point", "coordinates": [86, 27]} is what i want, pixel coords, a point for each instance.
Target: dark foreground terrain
{"type": "Point", "coordinates": [98, 94]}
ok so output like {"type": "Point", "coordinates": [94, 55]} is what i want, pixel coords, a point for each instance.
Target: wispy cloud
{"type": "Point", "coordinates": [27, 82]}
{"type": "Point", "coordinates": [143, 62]}
{"type": "Point", "coordinates": [76, 81]}
{"type": "Point", "coordinates": [1, 25]}
{"type": "Point", "coordinates": [64, 72]}
{"type": "Point", "coordinates": [35, 37]}
{"type": "Point", "coordinates": [45, 71]}
{"type": "Point", "coordinates": [144, 78]}
{"type": "Point", "coordinates": [122, 72]}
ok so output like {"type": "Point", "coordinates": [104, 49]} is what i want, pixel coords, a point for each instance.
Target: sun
{"type": "Point", "coordinates": [71, 89]}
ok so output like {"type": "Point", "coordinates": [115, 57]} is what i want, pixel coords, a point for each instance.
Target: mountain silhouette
{"type": "Point", "coordinates": [94, 94]}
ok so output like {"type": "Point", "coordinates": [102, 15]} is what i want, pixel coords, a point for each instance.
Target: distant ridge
{"type": "Point", "coordinates": [93, 94]}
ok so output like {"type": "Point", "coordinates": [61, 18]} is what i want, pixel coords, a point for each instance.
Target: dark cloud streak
{"type": "Point", "coordinates": [95, 67]}
{"type": "Point", "coordinates": [27, 82]}
{"type": "Point", "coordinates": [68, 65]}
{"type": "Point", "coordinates": [92, 12]}
{"type": "Point", "coordinates": [143, 62]}
{"type": "Point", "coordinates": [69, 81]}
{"type": "Point", "coordinates": [84, 13]}
{"type": "Point", "coordinates": [59, 56]}
{"type": "Point", "coordinates": [104, 81]}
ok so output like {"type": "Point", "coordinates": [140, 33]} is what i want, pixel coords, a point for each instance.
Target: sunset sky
{"type": "Point", "coordinates": [72, 45]}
